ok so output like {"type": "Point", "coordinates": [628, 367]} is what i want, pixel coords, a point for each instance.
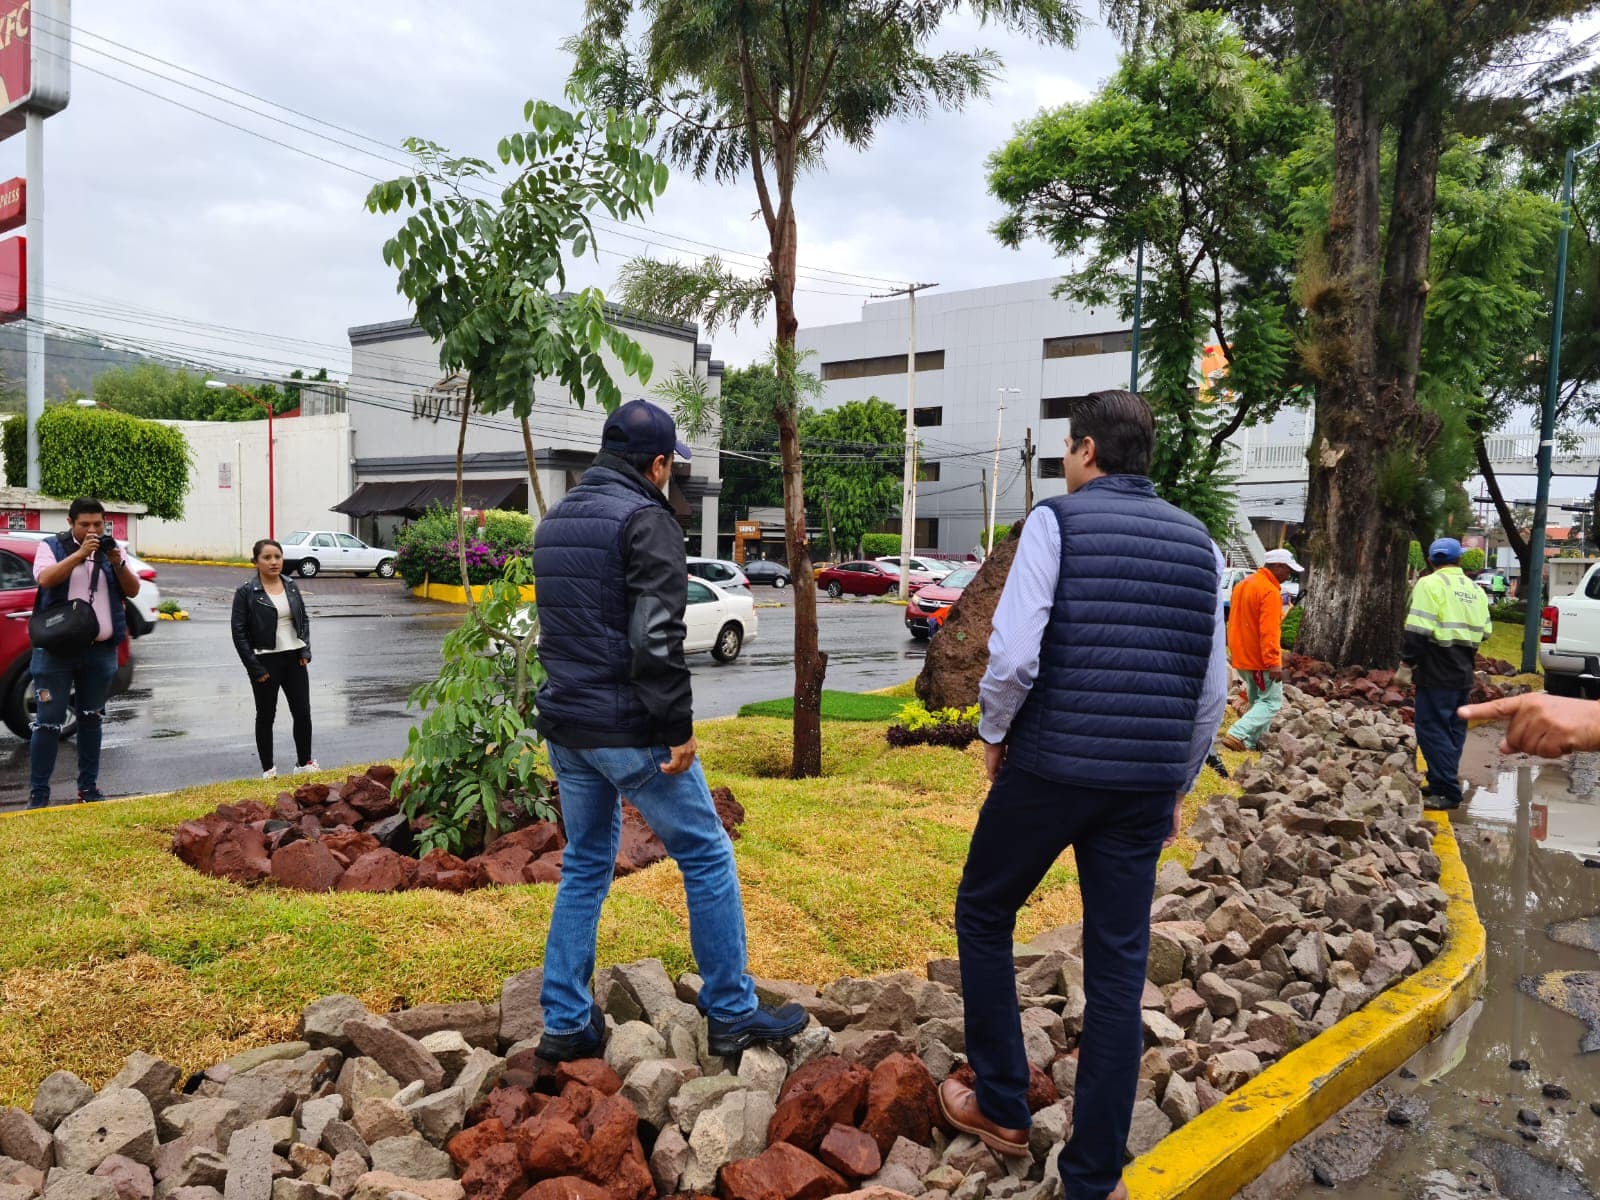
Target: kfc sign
{"type": "Point", "coordinates": [35, 59]}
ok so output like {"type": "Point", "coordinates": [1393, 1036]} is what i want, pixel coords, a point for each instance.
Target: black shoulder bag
{"type": "Point", "coordinates": [68, 628]}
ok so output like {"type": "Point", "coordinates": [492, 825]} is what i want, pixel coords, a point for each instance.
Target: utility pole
{"type": "Point", "coordinates": [1027, 470]}
{"type": "Point", "coordinates": [994, 484]}
{"type": "Point", "coordinates": [908, 495]}
{"type": "Point", "coordinates": [983, 493]}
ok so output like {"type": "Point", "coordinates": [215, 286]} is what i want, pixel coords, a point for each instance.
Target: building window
{"type": "Point", "coordinates": [1058, 408]}
{"type": "Point", "coordinates": [926, 535]}
{"type": "Point", "coordinates": [928, 472]}
{"type": "Point", "coordinates": [885, 364]}
{"type": "Point", "coordinates": [1052, 468]}
{"type": "Point", "coordinates": [1080, 344]}
{"type": "Point", "coordinates": [929, 416]}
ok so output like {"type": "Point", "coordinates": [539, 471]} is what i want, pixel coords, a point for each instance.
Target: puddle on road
{"type": "Point", "coordinates": [1526, 832]}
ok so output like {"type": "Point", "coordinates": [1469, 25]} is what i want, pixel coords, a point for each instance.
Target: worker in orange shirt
{"type": "Point", "coordinates": [1255, 646]}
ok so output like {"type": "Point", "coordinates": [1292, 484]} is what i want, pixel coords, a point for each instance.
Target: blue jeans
{"type": "Point", "coordinates": [87, 678]}
{"type": "Point", "coordinates": [680, 810]}
{"type": "Point", "coordinates": [1024, 825]}
{"type": "Point", "coordinates": [1442, 736]}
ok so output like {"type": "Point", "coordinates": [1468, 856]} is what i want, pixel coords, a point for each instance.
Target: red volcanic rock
{"type": "Point", "coordinates": [308, 866]}
{"type": "Point", "coordinates": [781, 1172]}
{"type": "Point", "coordinates": [511, 1106]}
{"type": "Point", "coordinates": [377, 871]}
{"type": "Point", "coordinates": [567, 1187]}
{"type": "Point", "coordinates": [503, 866]}
{"type": "Point", "coordinates": [471, 1144]}
{"type": "Point", "coordinates": [313, 793]}
{"type": "Point", "coordinates": [245, 812]}
{"type": "Point", "coordinates": [341, 814]}
{"type": "Point", "coordinates": [850, 1152]}
{"type": "Point", "coordinates": [286, 809]}
{"type": "Point", "coordinates": [1042, 1091]}
{"type": "Point", "coordinates": [240, 854]}
{"type": "Point", "coordinates": [382, 773]}
{"type": "Point", "coordinates": [496, 1174]}
{"type": "Point", "coordinates": [537, 839]}
{"type": "Point", "coordinates": [591, 1072]}
{"type": "Point", "coordinates": [640, 847]}
{"type": "Point", "coordinates": [611, 1129]}
{"type": "Point", "coordinates": [901, 1102]}
{"type": "Point", "coordinates": [195, 841]}
{"type": "Point", "coordinates": [440, 869]}
{"type": "Point", "coordinates": [548, 1147]}
{"type": "Point", "coordinates": [729, 811]}
{"type": "Point", "coordinates": [544, 870]}
{"type": "Point", "coordinates": [822, 1093]}
{"type": "Point", "coordinates": [349, 845]}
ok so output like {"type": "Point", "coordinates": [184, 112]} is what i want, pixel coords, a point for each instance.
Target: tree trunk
{"type": "Point", "coordinates": [1370, 436]}
{"type": "Point", "coordinates": [810, 663]}
{"type": "Point", "coordinates": [533, 468]}
{"type": "Point", "coordinates": [1508, 521]}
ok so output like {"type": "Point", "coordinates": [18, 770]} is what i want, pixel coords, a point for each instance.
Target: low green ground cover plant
{"type": "Point", "coordinates": [915, 725]}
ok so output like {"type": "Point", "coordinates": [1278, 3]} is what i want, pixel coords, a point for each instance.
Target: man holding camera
{"type": "Point", "coordinates": [84, 564]}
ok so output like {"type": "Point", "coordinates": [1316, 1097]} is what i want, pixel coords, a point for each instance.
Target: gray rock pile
{"type": "Point", "coordinates": [1315, 888]}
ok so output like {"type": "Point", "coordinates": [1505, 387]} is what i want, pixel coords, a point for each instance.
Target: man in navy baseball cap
{"type": "Point", "coordinates": [615, 712]}
{"type": "Point", "coordinates": [639, 427]}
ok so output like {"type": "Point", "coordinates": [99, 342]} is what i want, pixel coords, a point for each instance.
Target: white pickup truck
{"type": "Point", "coordinates": [1569, 641]}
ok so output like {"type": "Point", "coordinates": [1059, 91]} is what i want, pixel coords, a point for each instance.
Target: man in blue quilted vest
{"type": "Point", "coordinates": [615, 711]}
{"type": "Point", "coordinates": [1106, 682]}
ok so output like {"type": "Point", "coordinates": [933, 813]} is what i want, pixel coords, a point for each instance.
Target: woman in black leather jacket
{"type": "Point", "coordinates": [272, 634]}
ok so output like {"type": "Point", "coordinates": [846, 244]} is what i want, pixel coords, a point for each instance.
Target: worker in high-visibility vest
{"type": "Point", "coordinates": [1449, 618]}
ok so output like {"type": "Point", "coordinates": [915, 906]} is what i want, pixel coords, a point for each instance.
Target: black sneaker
{"type": "Point", "coordinates": [92, 796]}
{"type": "Point", "coordinates": [1439, 804]}
{"type": "Point", "coordinates": [767, 1023]}
{"type": "Point", "coordinates": [568, 1047]}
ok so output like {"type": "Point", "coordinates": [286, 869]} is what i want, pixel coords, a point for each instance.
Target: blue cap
{"type": "Point", "coordinates": [1445, 550]}
{"type": "Point", "coordinates": [639, 427]}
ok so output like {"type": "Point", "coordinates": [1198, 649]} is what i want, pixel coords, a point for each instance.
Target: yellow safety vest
{"type": "Point", "coordinates": [1448, 608]}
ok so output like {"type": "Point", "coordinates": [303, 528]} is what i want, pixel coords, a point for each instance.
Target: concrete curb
{"type": "Point", "coordinates": [1227, 1146]}
{"type": "Point", "coordinates": [199, 562]}
{"type": "Point", "coordinates": [450, 594]}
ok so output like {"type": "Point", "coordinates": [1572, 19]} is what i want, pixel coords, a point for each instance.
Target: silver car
{"type": "Point", "coordinates": [311, 552]}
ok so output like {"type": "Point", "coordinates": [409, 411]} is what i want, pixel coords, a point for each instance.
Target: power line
{"type": "Point", "coordinates": [840, 277]}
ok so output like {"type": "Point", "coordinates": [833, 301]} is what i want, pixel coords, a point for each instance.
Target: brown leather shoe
{"type": "Point", "coordinates": [1232, 743]}
{"type": "Point", "coordinates": [960, 1106]}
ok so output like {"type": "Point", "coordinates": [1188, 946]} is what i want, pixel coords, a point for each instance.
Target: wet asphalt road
{"type": "Point", "coordinates": [189, 718]}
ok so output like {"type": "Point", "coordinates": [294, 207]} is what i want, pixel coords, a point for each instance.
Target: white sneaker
{"type": "Point", "coordinates": [306, 768]}
{"type": "Point", "coordinates": [270, 773]}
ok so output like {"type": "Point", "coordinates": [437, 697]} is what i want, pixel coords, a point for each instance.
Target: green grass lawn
{"type": "Point", "coordinates": [836, 706]}
{"type": "Point", "coordinates": [1505, 642]}
{"type": "Point", "coordinates": [109, 944]}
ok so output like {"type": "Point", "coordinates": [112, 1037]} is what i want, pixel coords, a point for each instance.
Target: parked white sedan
{"type": "Point", "coordinates": [718, 620]}
{"type": "Point", "coordinates": [311, 552]}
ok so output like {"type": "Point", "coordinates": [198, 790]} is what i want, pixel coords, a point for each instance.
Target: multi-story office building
{"type": "Point", "coordinates": [1014, 347]}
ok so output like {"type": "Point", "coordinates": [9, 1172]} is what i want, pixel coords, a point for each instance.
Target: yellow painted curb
{"type": "Point", "coordinates": [180, 615]}
{"type": "Point", "coordinates": [1226, 1147]}
{"type": "Point", "coordinates": [458, 595]}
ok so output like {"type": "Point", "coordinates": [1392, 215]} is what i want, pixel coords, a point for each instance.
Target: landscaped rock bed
{"type": "Point", "coordinates": [352, 837]}
{"type": "Point", "coordinates": [1377, 689]}
{"type": "Point", "coordinates": [1314, 889]}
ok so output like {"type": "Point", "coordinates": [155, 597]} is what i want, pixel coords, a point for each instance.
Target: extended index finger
{"type": "Point", "coordinates": [1495, 710]}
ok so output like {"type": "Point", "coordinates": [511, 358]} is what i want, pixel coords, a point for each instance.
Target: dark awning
{"type": "Point", "coordinates": [676, 498]}
{"type": "Point", "coordinates": [475, 493]}
{"type": "Point", "coordinates": [382, 499]}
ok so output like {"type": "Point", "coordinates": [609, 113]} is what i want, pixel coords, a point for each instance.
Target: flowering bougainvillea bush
{"type": "Point", "coordinates": [427, 548]}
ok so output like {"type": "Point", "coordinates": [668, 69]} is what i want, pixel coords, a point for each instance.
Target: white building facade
{"type": "Point", "coordinates": [1016, 345]}
{"type": "Point", "coordinates": [406, 421]}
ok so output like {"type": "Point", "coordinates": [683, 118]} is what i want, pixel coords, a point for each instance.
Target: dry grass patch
{"type": "Point", "coordinates": [109, 944]}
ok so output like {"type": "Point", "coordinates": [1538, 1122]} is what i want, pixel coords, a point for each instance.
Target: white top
{"type": "Point", "coordinates": [288, 638]}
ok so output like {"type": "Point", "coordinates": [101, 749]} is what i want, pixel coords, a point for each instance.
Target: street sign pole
{"type": "Point", "coordinates": [35, 258]}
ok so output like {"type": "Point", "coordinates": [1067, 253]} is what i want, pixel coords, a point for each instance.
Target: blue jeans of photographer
{"type": "Point", "coordinates": [86, 679]}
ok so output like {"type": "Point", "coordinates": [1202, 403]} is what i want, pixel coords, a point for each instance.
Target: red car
{"type": "Point", "coordinates": [17, 592]}
{"type": "Point", "coordinates": [867, 579]}
{"type": "Point", "coordinates": [935, 596]}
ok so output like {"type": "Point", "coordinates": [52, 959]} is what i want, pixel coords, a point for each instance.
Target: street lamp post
{"type": "Point", "coordinates": [1547, 425]}
{"type": "Point", "coordinates": [218, 385]}
{"type": "Point", "coordinates": [994, 481]}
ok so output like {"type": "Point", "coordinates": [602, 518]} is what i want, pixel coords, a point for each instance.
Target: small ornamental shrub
{"type": "Point", "coordinates": [880, 545]}
{"type": "Point", "coordinates": [916, 726]}
{"type": "Point", "coordinates": [427, 550]}
{"type": "Point", "coordinates": [1291, 626]}
{"type": "Point", "coordinates": [1513, 612]}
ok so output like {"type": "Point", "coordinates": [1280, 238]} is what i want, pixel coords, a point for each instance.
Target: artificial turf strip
{"type": "Point", "coordinates": [109, 944]}
{"type": "Point", "coordinates": [836, 706]}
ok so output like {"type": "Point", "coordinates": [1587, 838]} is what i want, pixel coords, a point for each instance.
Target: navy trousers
{"type": "Point", "coordinates": [1025, 824]}
{"type": "Point", "coordinates": [1441, 736]}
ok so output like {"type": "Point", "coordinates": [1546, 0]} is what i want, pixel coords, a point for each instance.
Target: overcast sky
{"type": "Point", "coordinates": [159, 215]}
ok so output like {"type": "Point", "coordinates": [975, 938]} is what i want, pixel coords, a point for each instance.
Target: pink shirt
{"type": "Point", "coordinates": [78, 586]}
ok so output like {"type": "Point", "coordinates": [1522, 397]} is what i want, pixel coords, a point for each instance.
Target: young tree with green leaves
{"type": "Point", "coordinates": [763, 91]}
{"type": "Point", "coordinates": [854, 457]}
{"type": "Point", "coordinates": [481, 258]}
{"type": "Point", "coordinates": [1179, 155]}
{"type": "Point", "coordinates": [1393, 74]}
